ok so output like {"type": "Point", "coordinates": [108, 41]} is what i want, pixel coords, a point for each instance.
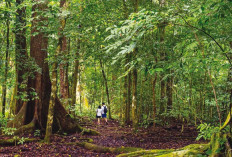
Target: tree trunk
{"type": "Point", "coordinates": [154, 99]}
{"type": "Point", "coordinates": [20, 54]}
{"type": "Point", "coordinates": [230, 83]}
{"type": "Point", "coordinates": [128, 107]}
{"type": "Point", "coordinates": [161, 28]}
{"type": "Point", "coordinates": [64, 85]}
{"type": "Point", "coordinates": [125, 99]}
{"type": "Point", "coordinates": [52, 101]}
{"type": "Point", "coordinates": [107, 89]}
{"type": "Point", "coordinates": [75, 75]}
{"type": "Point", "coordinates": [33, 114]}
{"type": "Point", "coordinates": [134, 99]}
{"type": "Point", "coordinates": [60, 49]}
{"type": "Point", "coordinates": [169, 93]}
{"type": "Point", "coordinates": [6, 64]}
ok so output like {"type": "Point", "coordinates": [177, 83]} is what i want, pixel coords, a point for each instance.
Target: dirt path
{"type": "Point", "coordinates": [112, 135]}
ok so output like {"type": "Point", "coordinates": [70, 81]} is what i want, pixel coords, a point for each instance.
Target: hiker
{"type": "Point", "coordinates": [104, 112]}
{"type": "Point", "coordinates": [99, 114]}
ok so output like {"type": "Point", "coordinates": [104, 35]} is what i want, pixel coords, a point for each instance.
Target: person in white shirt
{"type": "Point", "coordinates": [99, 114]}
{"type": "Point", "coordinates": [104, 112]}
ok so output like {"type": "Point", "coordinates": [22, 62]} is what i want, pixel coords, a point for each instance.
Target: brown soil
{"type": "Point", "coordinates": [112, 135]}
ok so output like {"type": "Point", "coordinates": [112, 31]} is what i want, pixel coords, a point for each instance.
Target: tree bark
{"type": "Point", "coordinates": [64, 85]}
{"type": "Point", "coordinates": [6, 62]}
{"type": "Point", "coordinates": [134, 99]}
{"type": "Point", "coordinates": [75, 75]}
{"type": "Point", "coordinates": [169, 93]}
{"type": "Point", "coordinates": [161, 27]}
{"type": "Point", "coordinates": [60, 49]}
{"type": "Point", "coordinates": [154, 99]}
{"type": "Point", "coordinates": [128, 107]}
{"type": "Point", "coordinates": [230, 83]}
{"type": "Point", "coordinates": [52, 101]}
{"type": "Point", "coordinates": [20, 54]}
{"type": "Point", "coordinates": [33, 114]}
{"type": "Point", "coordinates": [107, 89]}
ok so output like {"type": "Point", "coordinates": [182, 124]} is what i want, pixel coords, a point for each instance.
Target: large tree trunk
{"type": "Point", "coordinates": [20, 54]}
{"type": "Point", "coordinates": [33, 114]}
{"type": "Point", "coordinates": [61, 47]}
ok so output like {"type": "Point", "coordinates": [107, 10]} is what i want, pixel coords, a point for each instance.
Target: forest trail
{"type": "Point", "coordinates": [112, 135]}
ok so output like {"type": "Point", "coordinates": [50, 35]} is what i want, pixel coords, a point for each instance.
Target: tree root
{"type": "Point", "coordinates": [189, 150]}
{"type": "Point", "coordinates": [14, 141]}
{"type": "Point", "coordinates": [102, 149]}
{"type": "Point", "coordinates": [89, 132]}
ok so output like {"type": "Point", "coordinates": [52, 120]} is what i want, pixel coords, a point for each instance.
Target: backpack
{"type": "Point", "coordinates": [105, 109]}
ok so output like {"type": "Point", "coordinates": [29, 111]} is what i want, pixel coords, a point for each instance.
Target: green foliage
{"type": "Point", "coordinates": [22, 140]}
{"type": "Point", "coordinates": [37, 133]}
{"type": "Point", "coordinates": [206, 131]}
{"type": "Point", "coordinates": [8, 131]}
{"type": "Point", "coordinates": [3, 121]}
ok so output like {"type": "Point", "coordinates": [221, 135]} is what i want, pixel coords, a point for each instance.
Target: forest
{"type": "Point", "coordinates": [163, 68]}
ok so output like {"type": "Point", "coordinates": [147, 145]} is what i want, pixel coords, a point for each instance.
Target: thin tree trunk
{"type": "Point", "coordinates": [64, 91]}
{"type": "Point", "coordinates": [6, 65]}
{"type": "Point", "coordinates": [161, 35]}
{"type": "Point", "coordinates": [20, 54]}
{"type": "Point", "coordinates": [107, 89]}
{"type": "Point", "coordinates": [75, 75]}
{"type": "Point", "coordinates": [125, 99]}
{"type": "Point", "coordinates": [169, 93]}
{"type": "Point", "coordinates": [230, 82]}
{"type": "Point", "coordinates": [154, 99]}
{"type": "Point", "coordinates": [128, 107]}
{"type": "Point", "coordinates": [51, 102]}
{"type": "Point", "coordinates": [215, 97]}
{"type": "Point", "coordinates": [134, 99]}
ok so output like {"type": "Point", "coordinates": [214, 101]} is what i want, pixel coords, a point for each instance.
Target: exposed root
{"type": "Point", "coordinates": [190, 150]}
{"type": "Point", "coordinates": [26, 129]}
{"type": "Point", "coordinates": [14, 141]}
{"type": "Point", "coordinates": [89, 132]}
{"type": "Point", "coordinates": [19, 119]}
{"type": "Point", "coordinates": [102, 149]}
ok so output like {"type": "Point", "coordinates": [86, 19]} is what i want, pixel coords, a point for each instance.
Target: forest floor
{"type": "Point", "coordinates": [112, 135]}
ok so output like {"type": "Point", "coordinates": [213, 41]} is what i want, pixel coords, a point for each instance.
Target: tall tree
{"type": "Point", "coordinates": [106, 85]}
{"type": "Point", "coordinates": [161, 36]}
{"type": "Point", "coordinates": [60, 50]}
{"type": "Point", "coordinates": [20, 54]}
{"type": "Point", "coordinates": [33, 114]}
{"type": "Point", "coordinates": [4, 89]}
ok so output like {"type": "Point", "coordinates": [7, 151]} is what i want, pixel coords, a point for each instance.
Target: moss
{"type": "Point", "coordinates": [29, 128]}
{"type": "Point", "coordinates": [190, 150]}
{"type": "Point", "coordinates": [89, 140]}
{"type": "Point", "coordinates": [154, 152]}
{"type": "Point", "coordinates": [14, 141]}
{"type": "Point", "coordinates": [89, 132]}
